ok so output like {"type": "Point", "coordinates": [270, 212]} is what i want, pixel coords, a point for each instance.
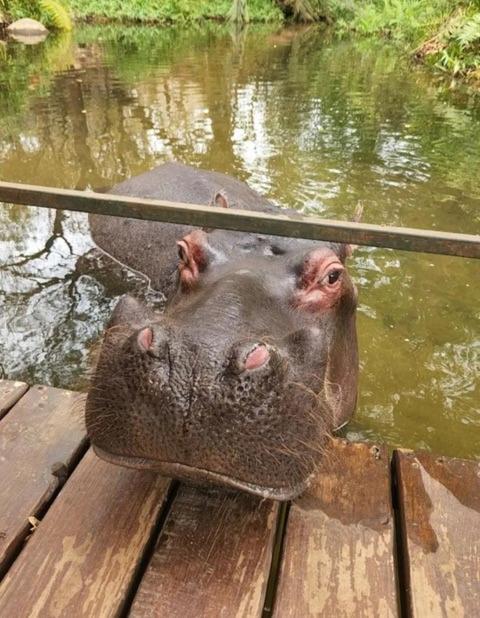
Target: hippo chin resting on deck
{"type": "Point", "coordinates": [252, 364]}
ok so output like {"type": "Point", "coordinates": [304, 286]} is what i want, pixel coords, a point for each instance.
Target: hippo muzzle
{"type": "Point", "coordinates": [242, 378]}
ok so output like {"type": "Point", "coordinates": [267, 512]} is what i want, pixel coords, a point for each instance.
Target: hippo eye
{"type": "Point", "coordinates": [181, 253]}
{"type": "Point", "coordinates": [333, 276]}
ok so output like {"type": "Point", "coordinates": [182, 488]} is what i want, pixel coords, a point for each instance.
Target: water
{"type": "Point", "coordinates": [313, 123]}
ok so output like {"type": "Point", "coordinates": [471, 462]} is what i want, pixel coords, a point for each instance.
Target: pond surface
{"type": "Point", "coordinates": [317, 124]}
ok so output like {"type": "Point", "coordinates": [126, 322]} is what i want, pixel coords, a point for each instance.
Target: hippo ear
{"type": "Point", "coordinates": [319, 282]}
{"type": "Point", "coordinates": [192, 251]}
{"type": "Point", "coordinates": [220, 199]}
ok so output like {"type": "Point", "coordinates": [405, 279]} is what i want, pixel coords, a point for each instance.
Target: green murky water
{"type": "Point", "coordinates": [315, 124]}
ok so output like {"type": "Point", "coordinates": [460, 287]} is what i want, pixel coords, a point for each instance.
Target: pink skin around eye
{"type": "Point", "coordinates": [187, 267]}
{"type": "Point", "coordinates": [314, 292]}
{"type": "Point", "coordinates": [193, 257]}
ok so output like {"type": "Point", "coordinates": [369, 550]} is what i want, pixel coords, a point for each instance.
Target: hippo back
{"type": "Point", "coordinates": [150, 247]}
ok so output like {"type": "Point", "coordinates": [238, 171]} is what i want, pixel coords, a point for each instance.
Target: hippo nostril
{"type": "Point", "coordinates": [252, 357]}
{"type": "Point", "coordinates": [257, 357]}
{"type": "Point", "coordinates": [153, 340]}
{"type": "Point", "coordinates": [145, 339]}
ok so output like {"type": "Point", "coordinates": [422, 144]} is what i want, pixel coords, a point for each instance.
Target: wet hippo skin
{"type": "Point", "coordinates": [252, 364]}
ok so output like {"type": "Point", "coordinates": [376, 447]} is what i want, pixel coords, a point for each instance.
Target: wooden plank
{"type": "Point", "coordinates": [290, 224]}
{"type": "Point", "coordinates": [40, 440]}
{"type": "Point", "coordinates": [439, 500]}
{"type": "Point", "coordinates": [10, 393]}
{"type": "Point", "coordinates": [85, 555]}
{"type": "Point", "coordinates": [212, 558]}
{"type": "Point", "coordinates": [338, 555]}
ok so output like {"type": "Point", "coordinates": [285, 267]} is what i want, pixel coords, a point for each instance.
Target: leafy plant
{"type": "Point", "coordinates": [455, 47]}
{"type": "Point", "coordinates": [469, 32]}
{"type": "Point", "coordinates": [57, 14]}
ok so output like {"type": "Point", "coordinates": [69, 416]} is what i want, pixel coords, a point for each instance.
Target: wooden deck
{"type": "Point", "coordinates": [80, 537]}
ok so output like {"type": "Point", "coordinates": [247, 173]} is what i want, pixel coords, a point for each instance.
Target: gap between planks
{"type": "Point", "coordinates": [439, 512]}
{"type": "Point", "coordinates": [124, 612]}
{"type": "Point", "coordinates": [338, 547]}
{"type": "Point", "coordinates": [277, 557]}
{"type": "Point", "coordinates": [40, 514]}
{"type": "Point", "coordinates": [213, 557]}
{"type": "Point", "coordinates": [41, 442]}
{"type": "Point", "coordinates": [91, 546]}
{"type": "Point", "coordinates": [402, 575]}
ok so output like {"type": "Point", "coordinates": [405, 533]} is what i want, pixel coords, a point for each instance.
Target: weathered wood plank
{"type": "Point", "coordinates": [10, 393]}
{"type": "Point", "coordinates": [439, 500]}
{"type": "Point", "coordinates": [86, 552]}
{"type": "Point", "coordinates": [338, 550]}
{"type": "Point", "coordinates": [289, 224]}
{"type": "Point", "coordinates": [212, 558]}
{"type": "Point", "coordinates": [40, 439]}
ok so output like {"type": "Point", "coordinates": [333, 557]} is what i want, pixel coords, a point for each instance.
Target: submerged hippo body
{"type": "Point", "coordinates": [254, 360]}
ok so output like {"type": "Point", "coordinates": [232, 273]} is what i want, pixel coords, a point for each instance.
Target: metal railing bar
{"type": "Point", "coordinates": [281, 224]}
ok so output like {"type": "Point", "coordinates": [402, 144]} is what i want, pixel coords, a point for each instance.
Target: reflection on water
{"type": "Point", "coordinates": [315, 124]}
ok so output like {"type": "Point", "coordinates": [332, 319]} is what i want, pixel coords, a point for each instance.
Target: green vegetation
{"type": "Point", "coordinates": [52, 13]}
{"type": "Point", "coordinates": [456, 47]}
{"type": "Point", "coordinates": [444, 33]}
{"type": "Point", "coordinates": [174, 11]}
{"type": "Point", "coordinates": [57, 15]}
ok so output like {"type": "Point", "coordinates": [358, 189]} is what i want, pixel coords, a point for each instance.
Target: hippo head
{"type": "Point", "coordinates": [243, 376]}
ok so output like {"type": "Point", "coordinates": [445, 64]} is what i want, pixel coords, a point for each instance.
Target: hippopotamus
{"type": "Point", "coordinates": [253, 362]}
